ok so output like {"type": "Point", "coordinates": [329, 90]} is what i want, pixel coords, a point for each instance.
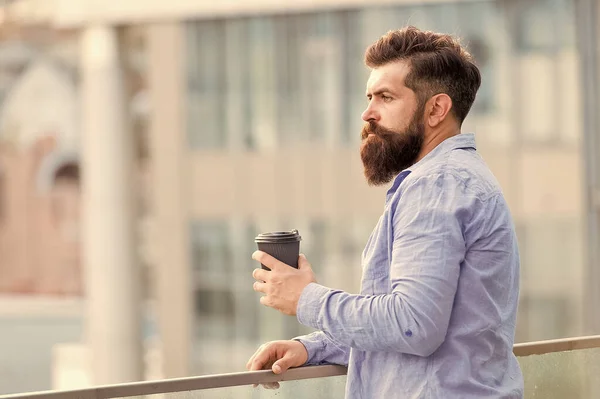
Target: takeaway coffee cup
{"type": "Point", "coordinates": [283, 245]}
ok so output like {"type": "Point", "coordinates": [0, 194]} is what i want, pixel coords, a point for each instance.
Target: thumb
{"type": "Point", "coordinates": [283, 364]}
{"type": "Point", "coordinates": [303, 262]}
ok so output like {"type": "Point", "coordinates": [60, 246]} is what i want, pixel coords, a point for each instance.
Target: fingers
{"type": "Point", "coordinates": [302, 262]}
{"type": "Point", "coordinates": [268, 385]}
{"type": "Point", "coordinates": [251, 360]}
{"type": "Point", "coordinates": [259, 286]}
{"type": "Point", "coordinates": [279, 367]}
{"type": "Point", "coordinates": [266, 301]}
{"type": "Point", "coordinates": [271, 385]}
{"type": "Point", "coordinates": [266, 357]}
{"type": "Point", "coordinates": [261, 359]}
{"type": "Point", "coordinates": [261, 275]}
{"type": "Point", "coordinates": [283, 364]}
{"type": "Point", "coordinates": [267, 260]}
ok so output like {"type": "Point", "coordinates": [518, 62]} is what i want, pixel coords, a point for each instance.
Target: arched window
{"type": "Point", "coordinates": [65, 204]}
{"type": "Point", "coordinates": [69, 171]}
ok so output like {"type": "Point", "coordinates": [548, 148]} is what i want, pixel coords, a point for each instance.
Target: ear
{"type": "Point", "coordinates": [439, 107]}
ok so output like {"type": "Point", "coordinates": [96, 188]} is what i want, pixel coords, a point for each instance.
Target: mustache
{"type": "Point", "coordinates": [375, 129]}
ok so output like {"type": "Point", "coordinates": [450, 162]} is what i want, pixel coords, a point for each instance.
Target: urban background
{"type": "Point", "coordinates": [144, 144]}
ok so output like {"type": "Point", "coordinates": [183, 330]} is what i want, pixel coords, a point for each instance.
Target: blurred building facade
{"type": "Point", "coordinates": [268, 140]}
{"type": "Point", "coordinates": [247, 117]}
{"type": "Point", "coordinates": [38, 164]}
{"type": "Point", "coordinates": [42, 281]}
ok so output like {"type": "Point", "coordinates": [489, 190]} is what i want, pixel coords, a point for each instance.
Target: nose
{"type": "Point", "coordinates": [370, 114]}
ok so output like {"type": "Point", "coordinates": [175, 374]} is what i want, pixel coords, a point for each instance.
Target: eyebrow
{"type": "Point", "coordinates": [381, 91]}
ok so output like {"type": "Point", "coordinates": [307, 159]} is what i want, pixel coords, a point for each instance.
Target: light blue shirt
{"type": "Point", "coordinates": [436, 314]}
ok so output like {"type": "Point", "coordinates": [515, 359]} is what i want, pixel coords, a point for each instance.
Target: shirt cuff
{"type": "Point", "coordinates": [313, 348]}
{"type": "Point", "coordinates": [310, 305]}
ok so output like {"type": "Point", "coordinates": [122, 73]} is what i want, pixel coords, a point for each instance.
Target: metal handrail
{"type": "Point", "coordinates": [556, 345]}
{"type": "Point", "coordinates": [185, 384]}
{"type": "Point", "coordinates": [266, 376]}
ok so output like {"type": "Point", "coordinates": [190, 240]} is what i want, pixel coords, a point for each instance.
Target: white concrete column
{"type": "Point", "coordinates": [113, 318]}
{"type": "Point", "coordinates": [170, 195]}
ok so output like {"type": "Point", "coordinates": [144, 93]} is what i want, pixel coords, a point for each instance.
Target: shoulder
{"type": "Point", "coordinates": [457, 173]}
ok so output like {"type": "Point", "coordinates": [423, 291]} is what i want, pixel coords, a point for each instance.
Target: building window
{"type": "Point", "coordinates": [544, 26]}
{"type": "Point", "coordinates": [211, 252]}
{"type": "Point", "coordinates": [310, 76]}
{"type": "Point", "coordinates": [211, 274]}
{"type": "Point", "coordinates": [238, 94]}
{"type": "Point", "coordinates": [214, 309]}
{"type": "Point", "coordinates": [266, 82]}
{"type": "Point", "coordinates": [205, 84]}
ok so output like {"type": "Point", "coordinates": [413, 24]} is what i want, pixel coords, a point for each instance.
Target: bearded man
{"type": "Point", "coordinates": [435, 317]}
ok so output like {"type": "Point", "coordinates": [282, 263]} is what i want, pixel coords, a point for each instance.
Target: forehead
{"type": "Point", "coordinates": [391, 75]}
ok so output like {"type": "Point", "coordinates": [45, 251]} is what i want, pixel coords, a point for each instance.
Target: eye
{"type": "Point", "coordinates": [385, 98]}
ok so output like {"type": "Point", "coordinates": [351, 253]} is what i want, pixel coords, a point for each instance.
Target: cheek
{"type": "Point", "coordinates": [396, 116]}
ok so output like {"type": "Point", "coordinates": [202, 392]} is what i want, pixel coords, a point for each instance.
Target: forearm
{"type": "Point", "coordinates": [323, 349]}
{"type": "Point", "coordinates": [376, 323]}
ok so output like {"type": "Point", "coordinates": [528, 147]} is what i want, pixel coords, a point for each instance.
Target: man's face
{"type": "Point", "coordinates": [394, 130]}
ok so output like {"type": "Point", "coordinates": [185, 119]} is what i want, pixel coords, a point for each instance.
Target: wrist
{"type": "Point", "coordinates": [302, 351]}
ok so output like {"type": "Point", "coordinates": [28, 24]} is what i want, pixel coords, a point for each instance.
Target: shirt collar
{"type": "Point", "coordinates": [463, 140]}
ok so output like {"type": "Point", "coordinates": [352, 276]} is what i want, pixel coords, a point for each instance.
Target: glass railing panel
{"type": "Point", "coordinates": [560, 375]}
{"type": "Point", "coordinates": [557, 369]}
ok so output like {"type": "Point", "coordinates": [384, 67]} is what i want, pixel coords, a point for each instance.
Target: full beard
{"type": "Point", "coordinates": [387, 152]}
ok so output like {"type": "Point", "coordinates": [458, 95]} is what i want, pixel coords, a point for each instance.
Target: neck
{"type": "Point", "coordinates": [435, 138]}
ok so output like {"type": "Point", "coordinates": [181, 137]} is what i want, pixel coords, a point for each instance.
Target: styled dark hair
{"type": "Point", "coordinates": [439, 64]}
